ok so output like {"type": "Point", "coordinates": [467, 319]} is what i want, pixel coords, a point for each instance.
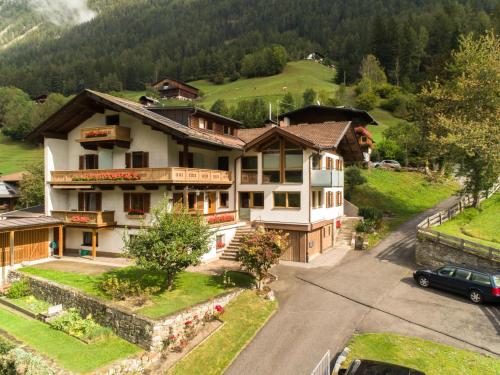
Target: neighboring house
{"type": "Point", "coordinates": [169, 88]}
{"type": "Point", "coordinates": [359, 119]}
{"type": "Point", "coordinates": [109, 160]}
{"type": "Point", "coordinates": [8, 196]}
{"type": "Point", "coordinates": [315, 56]}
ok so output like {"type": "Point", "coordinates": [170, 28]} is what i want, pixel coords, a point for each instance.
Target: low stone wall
{"type": "Point", "coordinates": [434, 254]}
{"type": "Point", "coordinates": [148, 333]}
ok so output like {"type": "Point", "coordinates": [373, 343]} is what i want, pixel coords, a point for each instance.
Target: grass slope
{"type": "Point", "coordinates": [70, 353]}
{"type": "Point", "coordinates": [478, 225]}
{"type": "Point", "coordinates": [189, 289]}
{"type": "Point", "coordinates": [15, 156]}
{"type": "Point", "coordinates": [243, 317]}
{"type": "Point", "coordinates": [427, 356]}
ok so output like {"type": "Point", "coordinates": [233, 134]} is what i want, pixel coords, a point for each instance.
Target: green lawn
{"type": "Point", "coordinates": [478, 225]}
{"type": "Point", "coordinates": [189, 287]}
{"type": "Point", "coordinates": [427, 356]}
{"type": "Point", "coordinates": [15, 156]}
{"type": "Point", "coordinates": [69, 352]}
{"type": "Point", "coordinates": [243, 317]}
{"type": "Point", "coordinates": [30, 303]}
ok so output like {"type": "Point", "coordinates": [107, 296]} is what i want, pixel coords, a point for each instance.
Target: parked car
{"type": "Point", "coordinates": [478, 285]}
{"type": "Point", "coordinates": [369, 367]}
{"type": "Point", "coordinates": [387, 164]}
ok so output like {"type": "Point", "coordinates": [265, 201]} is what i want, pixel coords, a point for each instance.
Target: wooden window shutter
{"type": "Point", "coordinates": [81, 201]}
{"type": "Point", "coordinates": [81, 162]}
{"type": "Point", "coordinates": [128, 160]}
{"type": "Point", "coordinates": [98, 201]}
{"type": "Point", "coordinates": [146, 202]}
{"type": "Point", "coordinates": [145, 159]}
{"type": "Point", "coordinates": [126, 202]}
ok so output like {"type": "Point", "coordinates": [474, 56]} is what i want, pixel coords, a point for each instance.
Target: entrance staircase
{"type": "Point", "coordinates": [231, 251]}
{"type": "Point", "coordinates": [347, 228]}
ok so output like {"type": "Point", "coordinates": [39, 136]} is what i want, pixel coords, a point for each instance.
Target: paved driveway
{"type": "Point", "coordinates": [367, 292]}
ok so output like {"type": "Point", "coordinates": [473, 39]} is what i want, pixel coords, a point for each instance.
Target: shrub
{"type": "Point", "coordinates": [5, 346]}
{"type": "Point", "coordinates": [367, 101]}
{"type": "Point", "coordinates": [366, 226]}
{"type": "Point", "coordinates": [73, 324]}
{"type": "Point", "coordinates": [386, 90]}
{"type": "Point", "coordinates": [372, 214]}
{"type": "Point", "coordinates": [19, 289]}
{"type": "Point", "coordinates": [353, 177]}
{"type": "Point", "coordinates": [19, 361]}
{"type": "Point", "coordinates": [121, 289]}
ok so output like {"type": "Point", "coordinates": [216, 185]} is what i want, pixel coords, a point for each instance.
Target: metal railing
{"type": "Point", "coordinates": [323, 367]}
{"type": "Point", "coordinates": [424, 231]}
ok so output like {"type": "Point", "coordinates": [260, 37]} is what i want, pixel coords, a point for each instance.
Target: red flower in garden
{"type": "Point", "coordinates": [219, 308]}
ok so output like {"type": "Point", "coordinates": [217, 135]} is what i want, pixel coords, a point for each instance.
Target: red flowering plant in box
{"type": "Point", "coordinates": [117, 176]}
{"type": "Point", "coordinates": [97, 134]}
{"type": "Point", "coordinates": [220, 219]}
{"type": "Point", "coordinates": [80, 219]}
{"type": "Point", "coordinates": [135, 212]}
{"type": "Point", "coordinates": [220, 245]}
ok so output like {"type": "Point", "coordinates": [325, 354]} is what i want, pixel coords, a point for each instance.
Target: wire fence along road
{"type": "Point", "coordinates": [423, 229]}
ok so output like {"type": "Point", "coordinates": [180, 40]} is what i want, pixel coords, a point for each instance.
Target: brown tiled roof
{"type": "Point", "coordinates": [247, 135]}
{"type": "Point", "coordinates": [13, 177]}
{"type": "Point", "coordinates": [325, 135]}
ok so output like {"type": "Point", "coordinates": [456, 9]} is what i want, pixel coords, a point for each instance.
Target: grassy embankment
{"type": "Point", "coordinates": [15, 156]}
{"type": "Point", "coordinates": [427, 356]}
{"type": "Point", "coordinates": [400, 195]}
{"type": "Point", "coordinates": [477, 225]}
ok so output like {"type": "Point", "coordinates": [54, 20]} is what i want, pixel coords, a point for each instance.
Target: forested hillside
{"type": "Point", "coordinates": [133, 42]}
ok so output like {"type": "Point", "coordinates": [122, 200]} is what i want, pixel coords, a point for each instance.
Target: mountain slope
{"type": "Point", "coordinates": [133, 42]}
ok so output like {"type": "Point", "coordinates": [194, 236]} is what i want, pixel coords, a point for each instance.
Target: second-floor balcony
{"type": "Point", "coordinates": [93, 219]}
{"type": "Point", "coordinates": [105, 136]}
{"type": "Point", "coordinates": [140, 176]}
{"type": "Point", "coordinates": [327, 178]}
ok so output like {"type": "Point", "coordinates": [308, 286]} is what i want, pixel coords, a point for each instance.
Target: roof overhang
{"type": "Point", "coordinates": [322, 108]}
{"type": "Point", "coordinates": [280, 132]}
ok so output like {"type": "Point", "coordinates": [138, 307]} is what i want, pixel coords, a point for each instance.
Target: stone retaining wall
{"type": "Point", "coordinates": [434, 254]}
{"type": "Point", "coordinates": [148, 333]}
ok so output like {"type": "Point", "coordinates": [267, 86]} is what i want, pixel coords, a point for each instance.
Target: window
{"type": "Point", "coordinates": [196, 201]}
{"type": "Point", "coordinates": [223, 163]}
{"type": "Point", "coordinates": [210, 125]}
{"type": "Point", "coordinates": [316, 201]}
{"type": "Point", "coordinates": [202, 123]}
{"type": "Point", "coordinates": [339, 201]}
{"type": "Point", "coordinates": [89, 161]}
{"type": "Point", "coordinates": [87, 239]}
{"type": "Point", "coordinates": [462, 274]}
{"type": "Point", "coordinates": [223, 199]}
{"type": "Point", "coordinates": [286, 200]}
{"type": "Point", "coordinates": [316, 162]}
{"type": "Point", "coordinates": [252, 199]}
{"type": "Point", "coordinates": [282, 163]}
{"type": "Point", "coordinates": [329, 163]}
{"type": "Point", "coordinates": [339, 164]}
{"type": "Point", "coordinates": [137, 159]}
{"type": "Point", "coordinates": [446, 271]}
{"type": "Point", "coordinates": [257, 199]}
{"type": "Point", "coordinates": [481, 278]}
{"type": "Point", "coordinates": [249, 170]}
{"type": "Point", "coordinates": [329, 199]}
{"type": "Point", "coordinates": [89, 201]}
{"type": "Point", "coordinates": [190, 159]}
{"type": "Point", "coordinates": [113, 120]}
{"type": "Point", "coordinates": [138, 203]}
{"type": "Point", "coordinates": [227, 130]}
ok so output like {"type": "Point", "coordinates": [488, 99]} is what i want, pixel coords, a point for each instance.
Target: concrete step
{"type": "Point", "coordinates": [224, 257]}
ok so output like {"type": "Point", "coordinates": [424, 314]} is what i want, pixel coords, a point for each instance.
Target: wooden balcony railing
{"type": "Point", "coordinates": [86, 218]}
{"type": "Point", "coordinates": [138, 176]}
{"type": "Point", "coordinates": [112, 135]}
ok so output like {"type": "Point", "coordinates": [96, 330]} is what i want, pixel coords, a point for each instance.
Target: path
{"type": "Point", "coordinates": [371, 291]}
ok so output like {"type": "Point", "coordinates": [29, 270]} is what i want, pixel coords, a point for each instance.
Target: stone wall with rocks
{"type": "Point", "coordinates": [432, 254]}
{"type": "Point", "coordinates": [148, 333]}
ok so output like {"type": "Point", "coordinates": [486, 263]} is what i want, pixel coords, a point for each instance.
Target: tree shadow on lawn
{"type": "Point", "coordinates": [182, 281]}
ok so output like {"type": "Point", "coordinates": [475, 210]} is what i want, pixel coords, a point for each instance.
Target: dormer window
{"type": "Point", "coordinates": [202, 123]}
{"type": "Point", "coordinates": [227, 130]}
{"type": "Point", "coordinates": [113, 120]}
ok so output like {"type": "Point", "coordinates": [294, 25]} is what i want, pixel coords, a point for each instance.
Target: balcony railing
{"type": "Point", "coordinates": [112, 134]}
{"type": "Point", "coordinates": [86, 218]}
{"type": "Point", "coordinates": [138, 176]}
{"type": "Point", "coordinates": [327, 178]}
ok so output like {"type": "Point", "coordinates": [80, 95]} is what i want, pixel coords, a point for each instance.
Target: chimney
{"type": "Point", "coordinates": [285, 122]}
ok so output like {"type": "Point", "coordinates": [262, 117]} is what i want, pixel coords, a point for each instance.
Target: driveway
{"type": "Point", "coordinates": [370, 291]}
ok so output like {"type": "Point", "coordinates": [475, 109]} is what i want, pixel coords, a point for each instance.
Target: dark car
{"type": "Point", "coordinates": [368, 367]}
{"type": "Point", "coordinates": [479, 286]}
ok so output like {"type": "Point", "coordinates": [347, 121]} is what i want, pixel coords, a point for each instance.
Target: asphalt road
{"type": "Point", "coordinates": [370, 291]}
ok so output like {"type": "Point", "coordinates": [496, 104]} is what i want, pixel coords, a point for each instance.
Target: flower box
{"type": "Point", "coordinates": [119, 176]}
{"type": "Point", "coordinates": [80, 219]}
{"type": "Point", "coordinates": [220, 219]}
{"type": "Point", "coordinates": [135, 214]}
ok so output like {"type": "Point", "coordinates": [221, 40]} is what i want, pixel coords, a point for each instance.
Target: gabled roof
{"type": "Point", "coordinates": [88, 102]}
{"type": "Point", "coordinates": [323, 108]}
{"type": "Point", "coordinates": [176, 81]}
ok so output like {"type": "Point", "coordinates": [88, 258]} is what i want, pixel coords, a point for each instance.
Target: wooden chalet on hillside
{"type": "Point", "coordinates": [169, 88]}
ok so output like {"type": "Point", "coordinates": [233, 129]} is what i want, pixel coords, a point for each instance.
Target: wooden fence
{"type": "Point", "coordinates": [423, 229]}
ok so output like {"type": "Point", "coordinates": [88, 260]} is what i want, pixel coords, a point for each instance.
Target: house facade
{"type": "Point", "coordinates": [169, 88]}
{"type": "Point", "coordinates": [108, 161]}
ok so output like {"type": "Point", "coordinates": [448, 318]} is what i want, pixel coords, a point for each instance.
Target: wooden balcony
{"type": "Point", "coordinates": [92, 219]}
{"type": "Point", "coordinates": [105, 136]}
{"type": "Point", "coordinates": [142, 176]}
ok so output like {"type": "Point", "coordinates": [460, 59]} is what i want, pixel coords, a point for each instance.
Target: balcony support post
{"type": "Point", "coordinates": [12, 246]}
{"type": "Point", "coordinates": [61, 241]}
{"type": "Point", "coordinates": [94, 243]}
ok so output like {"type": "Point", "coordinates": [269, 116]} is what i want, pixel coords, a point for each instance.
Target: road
{"type": "Point", "coordinates": [371, 291]}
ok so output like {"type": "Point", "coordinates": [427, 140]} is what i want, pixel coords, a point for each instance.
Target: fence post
{"type": "Point", "coordinates": [437, 237]}
{"type": "Point", "coordinates": [428, 222]}
{"type": "Point", "coordinates": [440, 219]}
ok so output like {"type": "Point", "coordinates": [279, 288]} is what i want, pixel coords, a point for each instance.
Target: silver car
{"type": "Point", "coordinates": [394, 164]}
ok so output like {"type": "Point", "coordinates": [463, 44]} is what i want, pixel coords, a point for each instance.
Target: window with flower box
{"type": "Point", "coordinates": [113, 120]}
{"type": "Point", "coordinates": [220, 241]}
{"type": "Point", "coordinates": [136, 204]}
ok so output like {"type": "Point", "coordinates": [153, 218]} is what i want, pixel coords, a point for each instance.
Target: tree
{"type": "Point", "coordinates": [461, 115]}
{"type": "Point", "coordinates": [260, 251]}
{"type": "Point", "coordinates": [367, 101]}
{"type": "Point", "coordinates": [220, 107]}
{"type": "Point", "coordinates": [173, 241]}
{"type": "Point", "coordinates": [407, 136]}
{"type": "Point", "coordinates": [252, 113]}
{"type": "Point", "coordinates": [353, 178]}
{"type": "Point", "coordinates": [287, 103]}
{"type": "Point", "coordinates": [15, 112]}
{"type": "Point", "coordinates": [389, 149]}
{"type": "Point", "coordinates": [32, 186]}
{"type": "Point", "coordinates": [371, 70]}
{"type": "Point", "coordinates": [308, 97]}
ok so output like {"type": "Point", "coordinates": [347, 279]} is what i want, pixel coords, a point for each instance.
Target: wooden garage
{"type": "Point", "coordinates": [23, 240]}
